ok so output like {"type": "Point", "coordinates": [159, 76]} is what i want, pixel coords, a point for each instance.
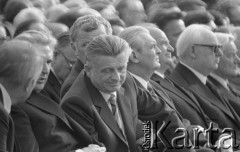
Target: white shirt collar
{"type": "Point", "coordinates": [159, 74]}
{"type": "Point", "coordinates": [200, 76]}
{"type": "Point", "coordinates": [141, 80]}
{"type": "Point", "coordinates": [6, 99]}
{"type": "Point", "coordinates": [223, 82]}
{"type": "Point", "coordinates": [106, 96]}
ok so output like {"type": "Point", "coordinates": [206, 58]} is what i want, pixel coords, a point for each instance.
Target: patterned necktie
{"type": "Point", "coordinates": [113, 103]}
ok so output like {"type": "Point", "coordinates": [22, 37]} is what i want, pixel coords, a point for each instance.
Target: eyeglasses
{"type": "Point", "coordinates": [69, 62]}
{"type": "Point", "coordinates": [216, 48]}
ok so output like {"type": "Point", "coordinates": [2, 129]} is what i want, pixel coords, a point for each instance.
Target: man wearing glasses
{"type": "Point", "coordinates": [199, 52]}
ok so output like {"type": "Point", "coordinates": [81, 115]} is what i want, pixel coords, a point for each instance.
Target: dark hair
{"type": "Point", "coordinates": [24, 26]}
{"type": "Point", "coordinates": [200, 17]}
{"type": "Point", "coordinates": [189, 5]}
{"type": "Point", "coordinates": [218, 16]}
{"type": "Point", "coordinates": [162, 16]}
{"type": "Point", "coordinates": [12, 8]}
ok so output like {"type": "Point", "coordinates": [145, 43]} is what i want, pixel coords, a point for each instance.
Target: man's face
{"type": "Point", "coordinates": [229, 62]}
{"type": "Point", "coordinates": [107, 73]}
{"type": "Point", "coordinates": [48, 58]}
{"type": "Point", "coordinates": [134, 14]}
{"type": "Point", "coordinates": [165, 57]}
{"type": "Point", "coordinates": [173, 29]}
{"type": "Point", "coordinates": [63, 62]}
{"type": "Point", "coordinates": [148, 52]}
{"type": "Point", "coordinates": [206, 57]}
{"type": "Point", "coordinates": [83, 38]}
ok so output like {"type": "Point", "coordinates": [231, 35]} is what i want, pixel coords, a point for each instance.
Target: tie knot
{"type": "Point", "coordinates": [112, 99]}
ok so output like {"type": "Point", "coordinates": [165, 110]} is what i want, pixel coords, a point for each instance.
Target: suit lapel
{"type": "Point", "coordinates": [45, 104]}
{"type": "Point", "coordinates": [198, 87]}
{"type": "Point", "coordinates": [125, 112]}
{"type": "Point", "coordinates": [103, 108]}
{"type": "Point", "coordinates": [166, 85]}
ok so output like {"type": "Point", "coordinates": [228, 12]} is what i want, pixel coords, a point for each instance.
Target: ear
{"type": "Point", "coordinates": [74, 48]}
{"type": "Point", "coordinates": [29, 85]}
{"type": "Point", "coordinates": [134, 57]}
{"type": "Point", "coordinates": [87, 68]}
{"type": "Point", "coordinates": [192, 51]}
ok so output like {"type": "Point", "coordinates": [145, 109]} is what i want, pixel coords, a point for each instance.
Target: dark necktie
{"type": "Point", "coordinates": [113, 103]}
{"type": "Point", "coordinates": [233, 90]}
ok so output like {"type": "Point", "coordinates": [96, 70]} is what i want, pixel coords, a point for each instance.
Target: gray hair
{"type": "Point", "coordinates": [107, 45]}
{"type": "Point", "coordinates": [89, 23]}
{"type": "Point", "coordinates": [39, 38]}
{"type": "Point", "coordinates": [224, 38]}
{"type": "Point", "coordinates": [19, 62]}
{"type": "Point", "coordinates": [131, 35]}
{"type": "Point", "coordinates": [195, 33]}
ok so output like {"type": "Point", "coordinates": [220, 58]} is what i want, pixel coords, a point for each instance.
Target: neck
{"type": "Point", "coordinates": [161, 70]}
{"type": "Point", "coordinates": [139, 71]}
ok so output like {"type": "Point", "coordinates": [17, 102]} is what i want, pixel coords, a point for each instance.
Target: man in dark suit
{"type": "Point", "coordinates": [82, 32]}
{"type": "Point", "coordinates": [19, 69]}
{"type": "Point", "coordinates": [199, 53]}
{"type": "Point", "coordinates": [184, 101]}
{"type": "Point", "coordinates": [113, 122]}
{"type": "Point", "coordinates": [227, 68]}
{"type": "Point", "coordinates": [40, 124]}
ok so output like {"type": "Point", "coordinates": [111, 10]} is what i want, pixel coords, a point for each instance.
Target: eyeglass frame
{"type": "Point", "coordinates": [66, 59]}
{"type": "Point", "coordinates": [216, 48]}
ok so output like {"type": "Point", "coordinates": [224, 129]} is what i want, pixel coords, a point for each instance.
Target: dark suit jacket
{"type": "Point", "coordinates": [6, 129]}
{"type": "Point", "coordinates": [42, 126]}
{"type": "Point", "coordinates": [86, 105]}
{"type": "Point", "coordinates": [235, 82]}
{"type": "Point", "coordinates": [233, 99]}
{"type": "Point", "coordinates": [212, 105]}
{"type": "Point", "coordinates": [52, 88]}
{"type": "Point", "coordinates": [77, 68]}
{"type": "Point", "coordinates": [186, 104]}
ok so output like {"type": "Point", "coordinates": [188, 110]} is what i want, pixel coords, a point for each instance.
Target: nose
{"type": "Point", "coordinates": [170, 48]}
{"type": "Point", "coordinates": [115, 76]}
{"type": "Point", "coordinates": [219, 53]}
{"type": "Point", "coordinates": [157, 51]}
{"type": "Point", "coordinates": [46, 68]}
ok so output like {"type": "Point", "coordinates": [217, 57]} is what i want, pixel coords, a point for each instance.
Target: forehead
{"type": "Point", "coordinates": [83, 35]}
{"type": "Point", "coordinates": [174, 26]}
{"type": "Point", "coordinates": [207, 37]}
{"type": "Point", "coordinates": [102, 62]}
{"type": "Point", "coordinates": [229, 48]}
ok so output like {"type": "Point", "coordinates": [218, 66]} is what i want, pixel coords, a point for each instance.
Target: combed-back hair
{"type": "Point", "coordinates": [107, 45]}
{"type": "Point", "coordinates": [89, 23]}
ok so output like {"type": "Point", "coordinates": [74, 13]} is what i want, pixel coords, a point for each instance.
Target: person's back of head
{"type": "Point", "coordinates": [72, 4]}
{"type": "Point", "coordinates": [31, 25]}
{"type": "Point", "coordinates": [54, 12]}
{"type": "Point", "coordinates": [20, 67]}
{"type": "Point", "coordinates": [57, 28]}
{"type": "Point", "coordinates": [192, 5]}
{"type": "Point", "coordinates": [12, 8]}
{"type": "Point", "coordinates": [29, 14]}
{"type": "Point", "coordinates": [219, 18]}
{"type": "Point", "coordinates": [131, 12]}
{"type": "Point", "coordinates": [89, 23]}
{"type": "Point", "coordinates": [71, 16]}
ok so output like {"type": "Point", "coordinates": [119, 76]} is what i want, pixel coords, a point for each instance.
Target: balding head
{"type": "Point", "coordinates": [199, 48]}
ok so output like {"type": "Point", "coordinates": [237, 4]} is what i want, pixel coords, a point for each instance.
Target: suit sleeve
{"type": "Point", "coordinates": [83, 115]}
{"type": "Point", "coordinates": [4, 121]}
{"type": "Point", "coordinates": [23, 130]}
{"type": "Point", "coordinates": [165, 119]}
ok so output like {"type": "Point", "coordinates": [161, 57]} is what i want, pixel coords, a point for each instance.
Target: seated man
{"type": "Point", "coordinates": [227, 67]}
{"type": "Point", "coordinates": [41, 125]}
{"type": "Point", "coordinates": [20, 68]}
{"type": "Point", "coordinates": [105, 100]}
{"type": "Point", "coordinates": [83, 31]}
{"type": "Point", "coordinates": [199, 53]}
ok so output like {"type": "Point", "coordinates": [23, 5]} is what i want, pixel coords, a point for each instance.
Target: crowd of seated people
{"type": "Point", "coordinates": [119, 76]}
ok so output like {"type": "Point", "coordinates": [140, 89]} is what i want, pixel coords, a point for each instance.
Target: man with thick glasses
{"type": "Point", "coordinates": [199, 52]}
